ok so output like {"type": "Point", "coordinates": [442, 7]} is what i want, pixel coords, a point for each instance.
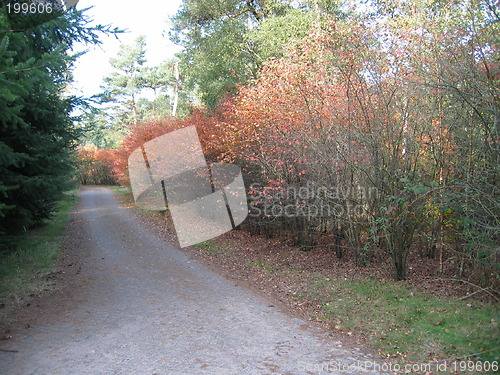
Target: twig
{"type": "Point", "coordinates": [481, 289]}
{"type": "Point", "coordinates": [465, 356]}
{"type": "Point", "coordinates": [470, 295]}
{"type": "Point", "coordinates": [9, 351]}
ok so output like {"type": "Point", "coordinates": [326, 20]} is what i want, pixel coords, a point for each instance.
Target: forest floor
{"type": "Point", "coordinates": [428, 320]}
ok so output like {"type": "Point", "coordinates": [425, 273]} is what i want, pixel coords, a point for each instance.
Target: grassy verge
{"type": "Point", "coordinates": [122, 190]}
{"type": "Point", "coordinates": [406, 324]}
{"type": "Point", "coordinates": [260, 265]}
{"type": "Point", "coordinates": [25, 272]}
{"type": "Point", "coordinates": [212, 247]}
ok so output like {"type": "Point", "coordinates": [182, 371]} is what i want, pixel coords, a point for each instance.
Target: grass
{"type": "Point", "coordinates": [211, 247]}
{"type": "Point", "coordinates": [404, 323]}
{"type": "Point", "coordinates": [121, 190]}
{"type": "Point", "coordinates": [24, 272]}
{"type": "Point", "coordinates": [126, 196]}
{"type": "Point", "coordinates": [124, 192]}
{"type": "Point", "coordinates": [262, 265]}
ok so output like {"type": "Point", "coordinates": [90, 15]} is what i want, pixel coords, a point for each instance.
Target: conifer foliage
{"type": "Point", "coordinates": [37, 136]}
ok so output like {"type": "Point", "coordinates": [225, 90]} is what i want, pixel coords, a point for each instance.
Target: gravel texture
{"type": "Point", "coordinates": [133, 304]}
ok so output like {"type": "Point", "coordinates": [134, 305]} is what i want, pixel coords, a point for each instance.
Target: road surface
{"type": "Point", "coordinates": [139, 306]}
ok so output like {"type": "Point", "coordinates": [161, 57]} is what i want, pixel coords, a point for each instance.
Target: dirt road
{"type": "Point", "coordinates": [135, 305]}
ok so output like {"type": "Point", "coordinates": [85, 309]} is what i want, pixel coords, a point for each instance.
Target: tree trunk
{"type": "Point", "coordinates": [176, 89]}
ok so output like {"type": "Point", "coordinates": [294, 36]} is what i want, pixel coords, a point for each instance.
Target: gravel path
{"type": "Point", "coordinates": [139, 306]}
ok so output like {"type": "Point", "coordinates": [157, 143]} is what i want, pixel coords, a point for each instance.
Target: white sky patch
{"type": "Point", "coordinates": [147, 17]}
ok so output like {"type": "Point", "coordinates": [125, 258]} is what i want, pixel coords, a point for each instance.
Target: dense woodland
{"type": "Point", "coordinates": [385, 114]}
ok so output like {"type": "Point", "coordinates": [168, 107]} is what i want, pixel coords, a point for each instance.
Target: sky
{"type": "Point", "coordinates": [147, 17]}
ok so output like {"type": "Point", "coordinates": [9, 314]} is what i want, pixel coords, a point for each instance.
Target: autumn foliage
{"type": "Point", "coordinates": [151, 129]}
{"type": "Point", "coordinates": [95, 165]}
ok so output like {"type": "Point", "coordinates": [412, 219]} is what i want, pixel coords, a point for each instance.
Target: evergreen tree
{"type": "Point", "coordinates": [125, 100]}
{"type": "Point", "coordinates": [37, 135]}
{"type": "Point", "coordinates": [123, 86]}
